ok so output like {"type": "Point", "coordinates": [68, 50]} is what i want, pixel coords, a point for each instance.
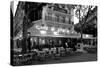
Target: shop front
{"type": "Point", "coordinates": [48, 36]}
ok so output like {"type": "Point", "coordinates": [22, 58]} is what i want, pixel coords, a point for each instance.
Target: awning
{"type": "Point", "coordinates": [48, 33]}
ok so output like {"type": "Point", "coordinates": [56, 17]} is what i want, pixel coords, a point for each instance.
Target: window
{"type": "Point", "coordinates": [63, 19]}
{"type": "Point", "coordinates": [50, 16]}
{"type": "Point", "coordinates": [63, 6]}
{"type": "Point", "coordinates": [57, 18]}
{"type": "Point", "coordinates": [50, 6]}
{"type": "Point", "coordinates": [35, 41]}
{"type": "Point", "coordinates": [69, 21]}
{"type": "Point", "coordinates": [53, 18]}
{"type": "Point", "coordinates": [41, 41]}
{"type": "Point", "coordinates": [60, 19]}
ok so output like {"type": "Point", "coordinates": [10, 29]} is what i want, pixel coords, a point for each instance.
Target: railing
{"type": "Point", "coordinates": [54, 20]}
{"type": "Point", "coordinates": [57, 12]}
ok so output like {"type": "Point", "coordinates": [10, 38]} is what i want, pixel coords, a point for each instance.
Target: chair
{"type": "Point", "coordinates": [41, 55]}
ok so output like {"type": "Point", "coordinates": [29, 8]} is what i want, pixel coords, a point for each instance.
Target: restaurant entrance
{"type": "Point", "coordinates": [39, 42]}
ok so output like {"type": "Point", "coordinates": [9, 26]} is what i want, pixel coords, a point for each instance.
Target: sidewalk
{"type": "Point", "coordinates": [78, 57]}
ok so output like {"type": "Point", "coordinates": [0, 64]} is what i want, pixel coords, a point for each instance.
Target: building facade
{"type": "Point", "coordinates": [52, 24]}
{"type": "Point", "coordinates": [55, 28]}
{"type": "Point", "coordinates": [55, 21]}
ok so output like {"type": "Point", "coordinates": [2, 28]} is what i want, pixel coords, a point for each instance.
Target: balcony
{"type": "Point", "coordinates": [54, 21]}
{"type": "Point", "coordinates": [58, 12]}
{"type": "Point", "coordinates": [56, 24]}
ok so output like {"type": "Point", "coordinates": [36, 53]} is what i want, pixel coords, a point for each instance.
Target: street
{"type": "Point", "coordinates": [79, 57]}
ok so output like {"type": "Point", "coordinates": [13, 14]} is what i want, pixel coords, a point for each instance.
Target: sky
{"type": "Point", "coordinates": [76, 20]}
{"type": "Point", "coordinates": [15, 6]}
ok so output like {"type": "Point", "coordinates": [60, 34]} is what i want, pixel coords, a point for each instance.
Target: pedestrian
{"type": "Point", "coordinates": [64, 46]}
{"type": "Point", "coordinates": [28, 42]}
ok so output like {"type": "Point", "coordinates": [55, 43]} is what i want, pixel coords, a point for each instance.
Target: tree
{"type": "Point", "coordinates": [87, 27]}
{"type": "Point", "coordinates": [81, 13]}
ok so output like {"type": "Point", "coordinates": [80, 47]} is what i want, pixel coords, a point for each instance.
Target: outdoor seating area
{"type": "Point", "coordinates": [37, 55]}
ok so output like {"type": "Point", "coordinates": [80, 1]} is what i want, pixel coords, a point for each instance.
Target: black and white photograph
{"type": "Point", "coordinates": [52, 33]}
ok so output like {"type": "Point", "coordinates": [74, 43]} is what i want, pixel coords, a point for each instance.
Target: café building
{"type": "Point", "coordinates": [55, 27]}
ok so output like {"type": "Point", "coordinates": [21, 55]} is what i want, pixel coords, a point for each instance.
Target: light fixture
{"type": "Point", "coordinates": [31, 39]}
{"type": "Point", "coordinates": [38, 27]}
{"type": "Point", "coordinates": [42, 31]}
{"type": "Point", "coordinates": [60, 29]}
{"type": "Point", "coordinates": [67, 31]}
{"type": "Point", "coordinates": [55, 33]}
{"type": "Point", "coordinates": [20, 35]}
{"type": "Point", "coordinates": [75, 32]}
{"type": "Point", "coordinates": [52, 28]}
{"type": "Point", "coordinates": [20, 55]}
{"type": "Point", "coordinates": [45, 27]}
{"type": "Point", "coordinates": [41, 27]}
{"type": "Point", "coordinates": [63, 30]}
{"type": "Point", "coordinates": [72, 32]}
{"type": "Point", "coordinates": [87, 35]}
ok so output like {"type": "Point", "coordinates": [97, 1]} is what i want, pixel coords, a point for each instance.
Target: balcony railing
{"type": "Point", "coordinates": [57, 20]}
{"type": "Point", "coordinates": [58, 12]}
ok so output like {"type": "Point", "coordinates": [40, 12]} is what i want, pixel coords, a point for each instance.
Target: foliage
{"type": "Point", "coordinates": [89, 27]}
